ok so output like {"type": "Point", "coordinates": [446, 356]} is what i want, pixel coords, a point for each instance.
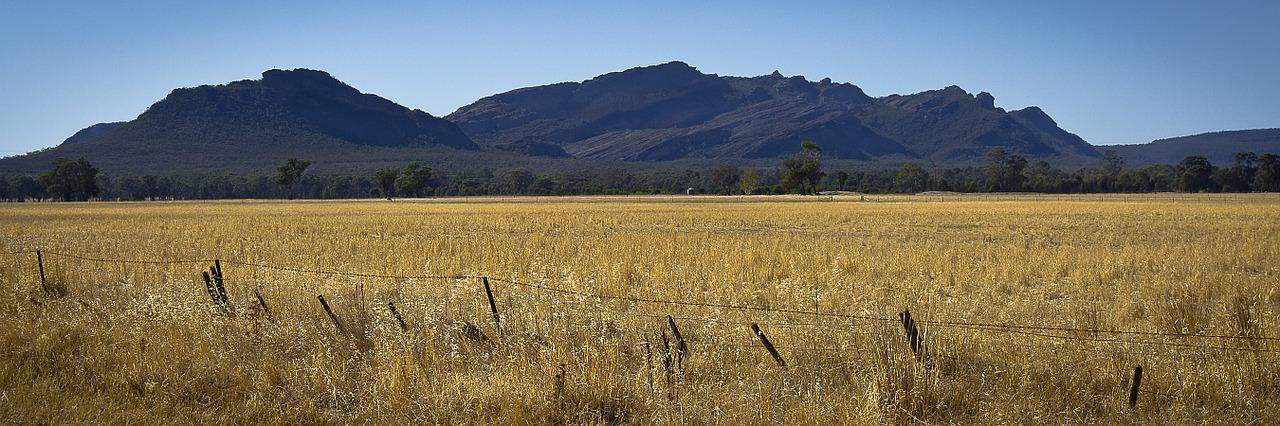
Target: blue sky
{"type": "Point", "coordinates": [1112, 72]}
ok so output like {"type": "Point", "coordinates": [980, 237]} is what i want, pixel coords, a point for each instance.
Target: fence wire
{"type": "Point", "coordinates": [1042, 331]}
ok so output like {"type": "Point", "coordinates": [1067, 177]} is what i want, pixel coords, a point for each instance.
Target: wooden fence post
{"type": "Point", "coordinates": [217, 292]}
{"type": "Point", "coordinates": [682, 348]}
{"type": "Point", "coordinates": [1133, 391]}
{"type": "Point", "coordinates": [211, 286]}
{"type": "Point", "coordinates": [913, 333]}
{"type": "Point", "coordinates": [40, 264]}
{"type": "Point", "coordinates": [493, 307]}
{"type": "Point", "coordinates": [332, 316]}
{"type": "Point", "coordinates": [472, 332]}
{"type": "Point", "coordinates": [262, 302]}
{"type": "Point", "coordinates": [666, 366]}
{"type": "Point", "coordinates": [764, 340]}
{"type": "Point", "coordinates": [208, 286]}
{"type": "Point", "coordinates": [219, 283]}
{"type": "Point", "coordinates": [648, 354]}
{"type": "Point", "coordinates": [396, 313]}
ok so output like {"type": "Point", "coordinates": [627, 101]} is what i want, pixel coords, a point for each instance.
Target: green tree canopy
{"type": "Point", "coordinates": [1005, 172]}
{"type": "Point", "coordinates": [288, 174]}
{"type": "Point", "coordinates": [1195, 174]}
{"type": "Point", "coordinates": [911, 178]}
{"type": "Point", "coordinates": [724, 179]}
{"type": "Point", "coordinates": [386, 179]}
{"type": "Point", "coordinates": [1267, 178]}
{"type": "Point", "coordinates": [803, 170]}
{"type": "Point", "coordinates": [71, 180]}
{"type": "Point", "coordinates": [414, 180]}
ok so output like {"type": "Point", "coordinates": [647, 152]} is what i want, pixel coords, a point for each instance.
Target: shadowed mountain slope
{"type": "Point", "coordinates": [252, 124]}
{"type": "Point", "coordinates": [1218, 147]}
{"type": "Point", "coordinates": [672, 111]}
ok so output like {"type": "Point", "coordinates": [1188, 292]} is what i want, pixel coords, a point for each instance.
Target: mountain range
{"type": "Point", "coordinates": [672, 112]}
{"type": "Point", "coordinates": [669, 113]}
{"type": "Point", "coordinates": [1219, 147]}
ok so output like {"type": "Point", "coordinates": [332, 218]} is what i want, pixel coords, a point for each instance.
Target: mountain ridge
{"type": "Point", "coordinates": [252, 124]}
{"type": "Point", "coordinates": [668, 113]}
{"type": "Point", "coordinates": [671, 111]}
{"type": "Point", "coordinates": [1218, 147]}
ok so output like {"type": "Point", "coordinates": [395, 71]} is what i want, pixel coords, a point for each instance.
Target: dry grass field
{"type": "Point", "coordinates": [1019, 300]}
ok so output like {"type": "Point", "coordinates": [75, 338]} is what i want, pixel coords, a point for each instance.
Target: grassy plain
{"type": "Point", "coordinates": [134, 342]}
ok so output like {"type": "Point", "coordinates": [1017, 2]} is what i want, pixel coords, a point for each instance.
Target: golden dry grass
{"type": "Point", "coordinates": [142, 342]}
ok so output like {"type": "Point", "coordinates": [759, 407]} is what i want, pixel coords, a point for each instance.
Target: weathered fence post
{"type": "Point", "coordinates": [472, 332]}
{"type": "Point", "coordinates": [332, 316]}
{"type": "Point", "coordinates": [396, 313]}
{"type": "Point", "coordinates": [212, 288]}
{"type": "Point", "coordinates": [666, 365]}
{"type": "Point", "coordinates": [648, 355]}
{"type": "Point", "coordinates": [493, 307]}
{"type": "Point", "coordinates": [682, 348]}
{"type": "Point", "coordinates": [40, 265]}
{"type": "Point", "coordinates": [262, 302]}
{"type": "Point", "coordinates": [913, 333]}
{"type": "Point", "coordinates": [219, 283]}
{"type": "Point", "coordinates": [208, 286]}
{"type": "Point", "coordinates": [764, 340]}
{"type": "Point", "coordinates": [217, 292]}
{"type": "Point", "coordinates": [1133, 391]}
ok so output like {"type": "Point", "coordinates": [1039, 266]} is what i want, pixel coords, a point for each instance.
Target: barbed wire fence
{"type": "Point", "coordinates": [1222, 344]}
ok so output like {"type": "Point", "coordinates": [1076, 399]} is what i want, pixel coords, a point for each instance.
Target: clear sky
{"type": "Point", "coordinates": [1110, 71]}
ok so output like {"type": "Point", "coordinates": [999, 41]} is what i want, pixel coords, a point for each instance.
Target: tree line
{"type": "Point", "coordinates": [802, 173]}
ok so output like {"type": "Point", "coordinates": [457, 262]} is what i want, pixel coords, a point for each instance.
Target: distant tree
{"type": "Point", "coordinates": [151, 186]}
{"type": "Point", "coordinates": [1004, 171]}
{"type": "Point", "coordinates": [24, 187]}
{"type": "Point", "coordinates": [749, 181]}
{"type": "Point", "coordinates": [518, 181]}
{"type": "Point", "coordinates": [724, 179]}
{"type": "Point", "coordinates": [71, 180]}
{"type": "Point", "coordinates": [5, 193]}
{"type": "Point", "coordinates": [1108, 179]}
{"type": "Point", "coordinates": [337, 187]}
{"type": "Point", "coordinates": [1239, 177]}
{"type": "Point", "coordinates": [386, 180]}
{"type": "Point", "coordinates": [414, 180]}
{"type": "Point", "coordinates": [1014, 173]}
{"type": "Point", "coordinates": [803, 170]}
{"type": "Point", "coordinates": [287, 174]}
{"type": "Point", "coordinates": [995, 168]}
{"type": "Point", "coordinates": [911, 178]}
{"type": "Point", "coordinates": [1195, 174]}
{"type": "Point", "coordinates": [1115, 163]}
{"type": "Point", "coordinates": [842, 179]}
{"type": "Point", "coordinates": [1267, 178]}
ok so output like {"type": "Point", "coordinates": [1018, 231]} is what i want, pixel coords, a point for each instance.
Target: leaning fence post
{"type": "Point", "coordinates": [913, 333]}
{"type": "Point", "coordinates": [219, 282]}
{"type": "Point", "coordinates": [212, 288]}
{"type": "Point", "coordinates": [262, 302]}
{"type": "Point", "coordinates": [648, 353]}
{"type": "Point", "coordinates": [1133, 391]}
{"type": "Point", "coordinates": [682, 349]}
{"type": "Point", "coordinates": [764, 340]}
{"type": "Point", "coordinates": [332, 316]}
{"type": "Point", "coordinates": [493, 307]}
{"type": "Point", "coordinates": [666, 365]}
{"type": "Point", "coordinates": [399, 319]}
{"type": "Point", "coordinates": [40, 265]}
